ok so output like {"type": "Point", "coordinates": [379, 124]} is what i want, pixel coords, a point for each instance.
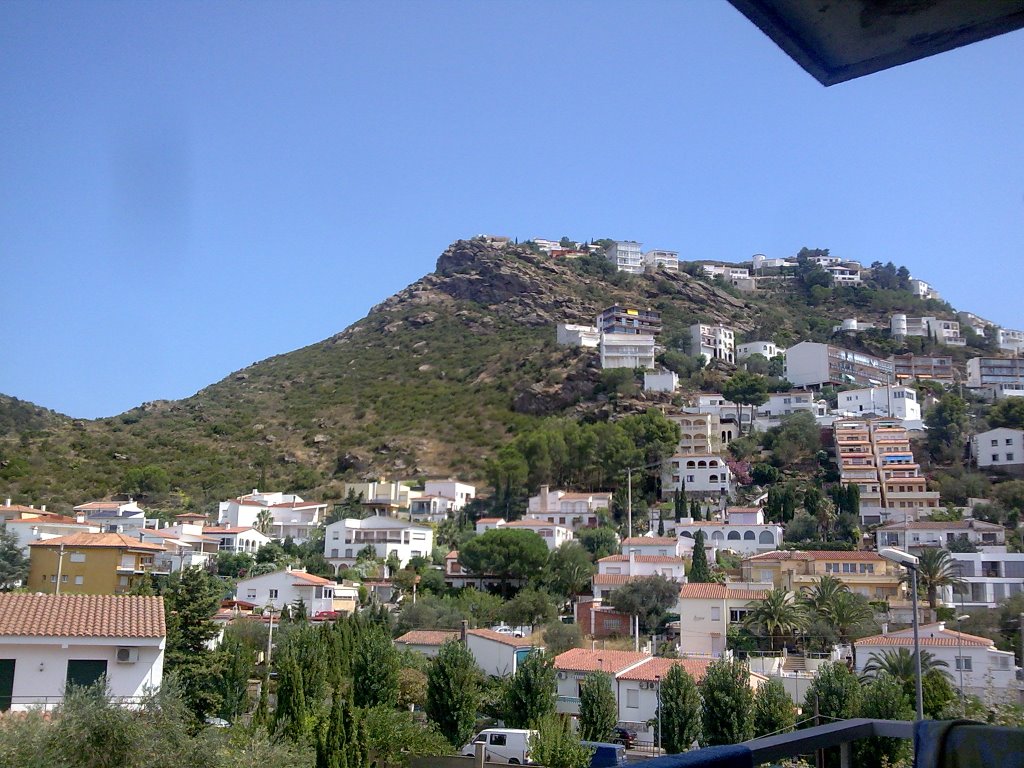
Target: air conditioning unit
{"type": "Point", "coordinates": [127, 655]}
{"type": "Point", "coordinates": [562, 675]}
{"type": "Point", "coordinates": [644, 685]}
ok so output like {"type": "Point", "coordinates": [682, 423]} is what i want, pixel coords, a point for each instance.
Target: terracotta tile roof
{"type": "Point", "coordinates": [658, 667]}
{"type": "Point", "coordinates": [611, 579]}
{"type": "Point", "coordinates": [534, 524]}
{"type": "Point", "coordinates": [297, 505]}
{"type": "Point", "coordinates": [908, 640]}
{"type": "Point", "coordinates": [743, 510]}
{"type": "Point", "coordinates": [453, 555]}
{"type": "Point", "coordinates": [649, 541]}
{"type": "Point", "coordinates": [595, 496]}
{"type": "Point", "coordinates": [642, 559]}
{"type": "Point", "coordinates": [21, 508]}
{"type": "Point", "coordinates": [240, 529]}
{"type": "Point", "coordinates": [427, 637]}
{"type": "Point", "coordinates": [47, 520]}
{"type": "Point", "coordinates": [101, 505]}
{"type": "Point", "coordinates": [490, 520]}
{"type": "Point", "coordinates": [116, 540]}
{"type": "Point", "coordinates": [490, 634]}
{"type": "Point", "coordinates": [586, 660]}
{"type": "Point", "coordinates": [929, 525]}
{"type": "Point", "coordinates": [719, 592]}
{"type": "Point", "coordinates": [308, 578]}
{"type": "Point", "coordinates": [817, 555]}
{"type": "Point", "coordinates": [81, 616]}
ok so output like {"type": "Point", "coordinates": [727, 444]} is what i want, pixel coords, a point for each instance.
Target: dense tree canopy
{"type": "Point", "coordinates": [507, 554]}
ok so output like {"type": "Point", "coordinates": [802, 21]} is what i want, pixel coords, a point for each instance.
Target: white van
{"type": "Point", "coordinates": [502, 745]}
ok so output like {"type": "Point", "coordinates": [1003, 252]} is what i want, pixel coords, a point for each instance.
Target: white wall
{"type": "Point", "coordinates": [40, 671]}
{"type": "Point", "coordinates": [492, 657]}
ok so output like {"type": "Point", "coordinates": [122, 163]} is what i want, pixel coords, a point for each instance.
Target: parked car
{"type": "Point", "coordinates": [502, 745]}
{"type": "Point", "coordinates": [505, 629]}
{"type": "Point", "coordinates": [624, 736]}
{"type": "Point", "coordinates": [606, 755]}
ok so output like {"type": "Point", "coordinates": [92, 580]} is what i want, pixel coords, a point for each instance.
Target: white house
{"type": "Point", "coordinates": [382, 497]}
{"type": "Point", "coordinates": [768, 349]}
{"type": "Point", "coordinates": [114, 516]}
{"type": "Point", "coordinates": [781, 404]}
{"type": "Point", "coordinates": [426, 641]}
{"type": "Point", "coordinates": [891, 400]}
{"type": "Point", "coordinates": [651, 545]}
{"type": "Point", "coordinates": [941, 331]}
{"type": "Point", "coordinates": [706, 611]}
{"type": "Point", "coordinates": [984, 668]}
{"type": "Point", "coordinates": [745, 535]}
{"type": "Point", "coordinates": [572, 667]}
{"type": "Point", "coordinates": [573, 335]}
{"type": "Point", "coordinates": [344, 539]}
{"type": "Point", "coordinates": [431, 509]}
{"type": "Point", "coordinates": [661, 381]}
{"type": "Point", "coordinates": [627, 256]}
{"type": "Point", "coordinates": [1010, 340]}
{"type": "Point", "coordinates": [286, 588]}
{"type": "Point", "coordinates": [714, 342]}
{"type": "Point", "coordinates": [989, 577]}
{"type": "Point", "coordinates": [811, 364]}
{"type": "Point", "coordinates": [760, 262]}
{"type": "Point", "coordinates": [241, 539]}
{"type": "Point", "coordinates": [852, 325]}
{"type": "Point", "coordinates": [920, 534]}
{"type": "Point", "coordinates": [923, 290]}
{"type": "Point", "coordinates": [726, 271]}
{"type": "Point", "coordinates": [615, 570]}
{"type": "Point", "coordinates": [497, 654]}
{"type": "Point", "coordinates": [554, 535]}
{"type": "Point", "coordinates": [460, 493]}
{"type": "Point", "coordinates": [575, 510]}
{"type": "Point", "coordinates": [658, 259]}
{"type": "Point", "coordinates": [29, 529]}
{"type": "Point", "coordinates": [627, 350]}
{"type": "Point", "coordinates": [290, 515]}
{"type": "Point", "coordinates": [704, 475]}
{"type": "Point", "coordinates": [48, 641]}
{"type": "Point", "coordinates": [1000, 448]}
{"type": "Point", "coordinates": [181, 550]}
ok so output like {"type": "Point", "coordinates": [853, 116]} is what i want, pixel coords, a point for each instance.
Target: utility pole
{"type": "Point", "coordinates": [629, 502]}
{"type": "Point", "coordinates": [60, 567]}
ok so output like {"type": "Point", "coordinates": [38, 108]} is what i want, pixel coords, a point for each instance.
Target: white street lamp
{"type": "Point", "coordinates": [960, 662]}
{"type": "Point", "coordinates": [910, 562]}
{"type": "Point", "coordinates": [657, 682]}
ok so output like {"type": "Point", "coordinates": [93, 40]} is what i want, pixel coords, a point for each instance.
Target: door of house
{"type": "Point", "coordinates": [6, 683]}
{"type": "Point", "coordinates": [85, 672]}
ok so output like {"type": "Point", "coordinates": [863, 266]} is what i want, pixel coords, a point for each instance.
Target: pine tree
{"type": "Point", "coordinates": [453, 693]}
{"type": "Point", "coordinates": [680, 711]}
{"type": "Point", "coordinates": [773, 709]}
{"type": "Point", "coordinates": [375, 669]}
{"type": "Point", "coordinates": [530, 693]}
{"type": "Point", "coordinates": [727, 703]}
{"type": "Point", "coordinates": [700, 571]}
{"type": "Point", "coordinates": [13, 563]}
{"type": "Point", "coordinates": [598, 711]}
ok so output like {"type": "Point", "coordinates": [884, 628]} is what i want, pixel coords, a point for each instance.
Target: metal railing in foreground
{"type": "Point", "coordinates": [842, 733]}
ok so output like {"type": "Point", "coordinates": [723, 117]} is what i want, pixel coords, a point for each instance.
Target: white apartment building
{"type": "Point", "coordinates": [744, 531]}
{"type": "Point", "coordinates": [999, 448]}
{"type": "Point", "coordinates": [114, 516]}
{"type": "Point", "coordinates": [989, 578]}
{"type": "Point", "coordinates": [706, 611]}
{"type": "Point", "coordinates": [726, 271]}
{"type": "Point", "coordinates": [945, 332]}
{"type": "Point", "coordinates": [573, 510]}
{"type": "Point", "coordinates": [781, 404]}
{"type": "Point", "coordinates": [811, 364]}
{"type": "Point", "coordinates": [285, 588]}
{"type": "Point", "coordinates": [615, 570]}
{"type": "Point", "coordinates": [661, 381]}
{"type": "Point", "coordinates": [571, 335]}
{"type": "Point", "coordinates": [852, 325]}
{"type": "Point", "coordinates": [768, 349]}
{"type": "Point", "coordinates": [241, 539]}
{"type": "Point", "coordinates": [623, 350]}
{"type": "Point", "coordinates": [913, 535]}
{"type": "Point", "coordinates": [984, 668]}
{"type": "Point", "coordinates": [702, 433]}
{"type": "Point", "coordinates": [714, 342]}
{"type": "Point", "coordinates": [388, 536]}
{"type": "Point", "coordinates": [460, 493]}
{"type": "Point", "coordinates": [658, 259]}
{"type": "Point", "coordinates": [923, 290]}
{"type": "Point", "coordinates": [895, 401]}
{"type": "Point", "coordinates": [760, 262]}
{"type": "Point", "coordinates": [290, 514]}
{"type": "Point", "coordinates": [627, 256]}
{"type": "Point", "coordinates": [553, 534]}
{"type": "Point", "coordinates": [29, 529]}
{"type": "Point", "coordinates": [383, 497]}
{"type": "Point", "coordinates": [431, 509]}
{"type": "Point", "coordinates": [988, 372]}
{"type": "Point", "coordinates": [1010, 340]}
{"type": "Point", "coordinates": [703, 475]}
{"type": "Point", "coordinates": [652, 545]}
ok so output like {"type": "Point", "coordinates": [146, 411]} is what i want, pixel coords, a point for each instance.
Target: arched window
{"type": "Point", "coordinates": [734, 536]}
{"type": "Point", "coordinates": [690, 465]}
{"type": "Point", "coordinates": [713, 478]}
{"type": "Point", "coordinates": [717, 536]}
{"type": "Point", "coordinates": [687, 534]}
{"type": "Point", "coordinates": [748, 536]}
{"type": "Point", "coordinates": [766, 537]}
{"type": "Point", "coordinates": [702, 464]}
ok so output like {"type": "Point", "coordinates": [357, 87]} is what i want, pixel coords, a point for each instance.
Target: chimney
{"type": "Point", "coordinates": [7, 503]}
{"type": "Point", "coordinates": [544, 498]}
{"type": "Point", "coordinates": [885, 627]}
{"type": "Point", "coordinates": [632, 562]}
{"type": "Point", "coordinates": [464, 632]}
{"type": "Point", "coordinates": [255, 491]}
{"type": "Point", "coordinates": [42, 507]}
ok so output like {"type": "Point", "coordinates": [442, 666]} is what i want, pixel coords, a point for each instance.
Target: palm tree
{"type": "Point", "coordinates": [848, 612]}
{"type": "Point", "coordinates": [778, 614]}
{"type": "Point", "coordinates": [822, 595]}
{"type": "Point", "coordinates": [900, 664]}
{"type": "Point", "coordinates": [935, 570]}
{"type": "Point", "coordinates": [264, 522]}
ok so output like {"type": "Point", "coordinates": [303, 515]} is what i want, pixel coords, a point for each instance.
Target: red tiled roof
{"type": "Point", "coordinates": [586, 660]}
{"type": "Point", "coordinates": [658, 668]}
{"type": "Point", "coordinates": [25, 510]}
{"type": "Point", "coordinates": [715, 591]}
{"type": "Point", "coordinates": [649, 541]}
{"type": "Point", "coordinates": [490, 520]}
{"type": "Point", "coordinates": [930, 525]}
{"type": "Point", "coordinates": [308, 578]}
{"type": "Point", "coordinates": [48, 519]}
{"type": "Point", "coordinates": [115, 540]}
{"type": "Point", "coordinates": [743, 510]}
{"type": "Point", "coordinates": [427, 637]}
{"type": "Point", "coordinates": [81, 616]}
{"type": "Point", "coordinates": [498, 637]}
{"type": "Point", "coordinates": [906, 640]}
{"type": "Point", "coordinates": [101, 505]}
{"type": "Point", "coordinates": [817, 555]}
{"type": "Point", "coordinates": [611, 579]}
{"type": "Point", "coordinates": [241, 529]}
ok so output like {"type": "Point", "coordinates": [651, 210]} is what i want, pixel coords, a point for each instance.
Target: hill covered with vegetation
{"type": "Point", "coordinates": [433, 381]}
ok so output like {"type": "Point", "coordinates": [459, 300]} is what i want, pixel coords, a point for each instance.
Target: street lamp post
{"type": "Point", "coordinates": [960, 662]}
{"type": "Point", "coordinates": [270, 635]}
{"type": "Point", "coordinates": [657, 683]}
{"type": "Point", "coordinates": [910, 562]}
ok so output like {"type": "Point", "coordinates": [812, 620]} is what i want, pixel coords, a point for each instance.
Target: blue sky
{"type": "Point", "coordinates": [186, 188]}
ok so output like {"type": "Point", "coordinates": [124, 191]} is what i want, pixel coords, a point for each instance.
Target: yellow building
{"type": "Point", "coordinates": [865, 573]}
{"type": "Point", "coordinates": [89, 564]}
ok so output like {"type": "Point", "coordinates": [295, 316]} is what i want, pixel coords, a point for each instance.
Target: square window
{"type": "Point", "coordinates": [632, 698]}
{"type": "Point", "coordinates": [273, 594]}
{"type": "Point", "coordinates": [79, 580]}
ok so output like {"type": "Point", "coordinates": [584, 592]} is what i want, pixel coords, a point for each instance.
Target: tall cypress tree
{"type": "Point", "coordinates": [453, 693]}
{"type": "Point", "coordinates": [700, 572]}
{"type": "Point", "coordinates": [291, 717]}
{"type": "Point", "coordinates": [680, 711]}
{"type": "Point", "coordinates": [598, 711]}
{"type": "Point", "coordinates": [695, 510]}
{"type": "Point", "coordinates": [530, 693]}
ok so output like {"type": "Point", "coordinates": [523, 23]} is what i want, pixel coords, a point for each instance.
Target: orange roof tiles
{"type": "Point", "coordinates": [309, 578]}
{"type": "Point", "coordinates": [427, 637]}
{"type": "Point", "coordinates": [714, 591]}
{"type": "Point", "coordinates": [586, 660]}
{"type": "Point", "coordinates": [649, 541]}
{"type": "Point", "coordinates": [611, 579]}
{"type": "Point", "coordinates": [122, 616]}
{"type": "Point", "coordinates": [498, 637]}
{"type": "Point", "coordinates": [823, 554]}
{"type": "Point", "coordinates": [658, 668]}
{"type": "Point", "coordinates": [642, 559]}
{"type": "Point", "coordinates": [114, 540]}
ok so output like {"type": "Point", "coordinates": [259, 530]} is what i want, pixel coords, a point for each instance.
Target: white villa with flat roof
{"type": "Point", "coordinates": [345, 539]}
